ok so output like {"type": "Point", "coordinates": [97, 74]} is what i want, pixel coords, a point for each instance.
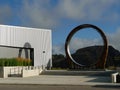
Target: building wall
{"type": "Point", "coordinates": [40, 40]}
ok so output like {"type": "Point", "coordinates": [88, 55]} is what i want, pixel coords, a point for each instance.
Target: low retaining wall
{"type": "Point", "coordinates": [1, 72]}
{"type": "Point", "coordinates": [5, 71]}
{"type": "Point", "coordinates": [31, 72]}
{"type": "Point", "coordinates": [20, 70]}
{"type": "Point", "coordinates": [114, 77]}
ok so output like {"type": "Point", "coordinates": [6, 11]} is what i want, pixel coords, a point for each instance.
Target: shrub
{"type": "Point", "coordinates": [15, 62]}
{"type": "Point", "coordinates": [2, 62]}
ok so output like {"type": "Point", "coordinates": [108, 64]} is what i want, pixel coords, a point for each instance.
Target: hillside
{"type": "Point", "coordinates": [90, 55]}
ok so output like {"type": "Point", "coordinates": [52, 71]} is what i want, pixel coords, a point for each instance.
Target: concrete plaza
{"type": "Point", "coordinates": [64, 78]}
{"type": "Point", "coordinates": [59, 80]}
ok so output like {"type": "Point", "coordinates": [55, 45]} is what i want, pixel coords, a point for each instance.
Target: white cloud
{"type": "Point", "coordinates": [58, 49]}
{"type": "Point", "coordinates": [41, 13]}
{"type": "Point", "coordinates": [38, 13]}
{"type": "Point", "coordinates": [87, 9]}
{"type": "Point", "coordinates": [77, 43]}
{"type": "Point", "coordinates": [114, 39]}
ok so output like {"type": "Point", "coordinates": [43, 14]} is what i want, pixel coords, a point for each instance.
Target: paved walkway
{"type": "Point", "coordinates": [63, 77]}
{"type": "Point", "coordinates": [59, 80]}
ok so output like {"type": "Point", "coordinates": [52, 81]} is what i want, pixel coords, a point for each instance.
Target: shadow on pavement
{"type": "Point", "coordinates": [108, 86]}
{"type": "Point", "coordinates": [100, 79]}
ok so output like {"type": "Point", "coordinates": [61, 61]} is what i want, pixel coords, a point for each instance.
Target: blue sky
{"type": "Point", "coordinates": [61, 16]}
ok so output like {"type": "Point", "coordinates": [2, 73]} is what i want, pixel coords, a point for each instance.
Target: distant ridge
{"type": "Point", "coordinates": [89, 55]}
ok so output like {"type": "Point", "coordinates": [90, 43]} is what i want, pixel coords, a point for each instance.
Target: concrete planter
{"type": "Point", "coordinates": [25, 71]}
{"type": "Point", "coordinates": [9, 70]}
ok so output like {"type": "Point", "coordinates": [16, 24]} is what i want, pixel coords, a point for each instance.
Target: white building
{"type": "Point", "coordinates": [12, 38]}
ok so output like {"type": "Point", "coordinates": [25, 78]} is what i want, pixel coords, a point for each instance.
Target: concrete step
{"type": "Point", "coordinates": [78, 73]}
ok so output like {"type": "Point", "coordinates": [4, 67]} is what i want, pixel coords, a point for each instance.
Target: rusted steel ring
{"type": "Point", "coordinates": [80, 27]}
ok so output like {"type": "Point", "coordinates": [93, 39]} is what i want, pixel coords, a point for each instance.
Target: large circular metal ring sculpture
{"type": "Point", "coordinates": [102, 60]}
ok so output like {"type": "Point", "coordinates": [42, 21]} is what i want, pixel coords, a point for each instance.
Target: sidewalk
{"type": "Point", "coordinates": [63, 77]}
{"type": "Point", "coordinates": [60, 80]}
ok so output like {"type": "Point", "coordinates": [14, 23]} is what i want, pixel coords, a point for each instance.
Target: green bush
{"type": "Point", "coordinates": [2, 62]}
{"type": "Point", "coordinates": [15, 62]}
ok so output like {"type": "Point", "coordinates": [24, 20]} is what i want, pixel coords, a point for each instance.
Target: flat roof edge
{"type": "Point", "coordinates": [25, 27]}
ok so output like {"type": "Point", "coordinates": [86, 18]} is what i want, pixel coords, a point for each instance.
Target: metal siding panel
{"type": "Point", "coordinates": [39, 39]}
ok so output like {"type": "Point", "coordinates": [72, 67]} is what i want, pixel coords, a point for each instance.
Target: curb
{"type": "Point", "coordinates": [81, 84]}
